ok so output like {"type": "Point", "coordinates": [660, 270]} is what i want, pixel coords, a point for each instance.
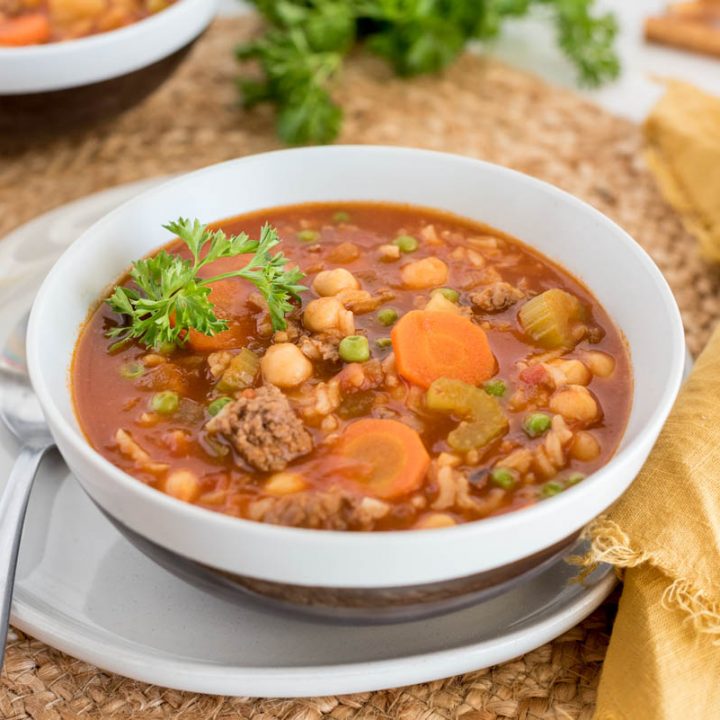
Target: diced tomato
{"type": "Point", "coordinates": [534, 375]}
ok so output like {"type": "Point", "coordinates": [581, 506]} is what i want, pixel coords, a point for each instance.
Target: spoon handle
{"type": "Point", "coordinates": [13, 504]}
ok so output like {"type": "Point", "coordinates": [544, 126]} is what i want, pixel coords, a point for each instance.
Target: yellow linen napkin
{"type": "Point", "coordinates": [663, 662]}
{"type": "Point", "coordinates": [683, 134]}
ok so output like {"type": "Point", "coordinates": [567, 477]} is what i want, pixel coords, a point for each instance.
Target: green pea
{"type": "Point", "coordinates": [448, 294]}
{"type": "Point", "coordinates": [387, 316]}
{"type": "Point", "coordinates": [354, 348]}
{"type": "Point", "coordinates": [497, 388]}
{"type": "Point", "coordinates": [384, 342]}
{"type": "Point", "coordinates": [341, 217]}
{"type": "Point", "coordinates": [218, 404]}
{"type": "Point", "coordinates": [165, 402]}
{"type": "Point", "coordinates": [551, 488]}
{"type": "Point", "coordinates": [166, 348]}
{"type": "Point", "coordinates": [536, 424]}
{"type": "Point", "coordinates": [575, 478]}
{"type": "Point", "coordinates": [406, 243]}
{"type": "Point", "coordinates": [308, 235]}
{"type": "Point", "coordinates": [502, 477]}
{"type": "Point", "coordinates": [132, 369]}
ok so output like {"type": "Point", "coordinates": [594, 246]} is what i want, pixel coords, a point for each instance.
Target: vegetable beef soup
{"type": "Point", "coordinates": [355, 366]}
{"type": "Point", "coordinates": [36, 22]}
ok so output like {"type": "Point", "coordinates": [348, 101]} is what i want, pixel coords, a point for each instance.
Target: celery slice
{"type": "Point", "coordinates": [449, 396]}
{"type": "Point", "coordinates": [477, 434]}
{"type": "Point", "coordinates": [240, 373]}
{"type": "Point", "coordinates": [483, 419]}
{"type": "Point", "coordinates": [551, 318]}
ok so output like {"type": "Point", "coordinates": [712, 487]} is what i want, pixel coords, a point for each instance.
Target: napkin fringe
{"type": "Point", "coordinates": [703, 612]}
{"type": "Point", "coordinates": [610, 544]}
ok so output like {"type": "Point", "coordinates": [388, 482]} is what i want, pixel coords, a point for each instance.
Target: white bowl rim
{"type": "Point", "coordinates": [189, 16]}
{"type": "Point", "coordinates": [377, 539]}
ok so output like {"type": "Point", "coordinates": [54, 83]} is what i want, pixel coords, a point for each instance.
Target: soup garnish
{"type": "Point", "coordinates": [170, 299]}
{"type": "Point", "coordinates": [435, 371]}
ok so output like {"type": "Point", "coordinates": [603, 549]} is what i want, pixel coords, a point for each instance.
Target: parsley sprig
{"type": "Point", "coordinates": [168, 297]}
{"type": "Point", "coordinates": [301, 52]}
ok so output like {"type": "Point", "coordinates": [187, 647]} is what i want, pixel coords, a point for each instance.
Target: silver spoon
{"type": "Point", "coordinates": [21, 413]}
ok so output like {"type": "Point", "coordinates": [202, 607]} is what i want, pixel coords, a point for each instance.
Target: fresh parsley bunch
{"type": "Point", "coordinates": [306, 41]}
{"type": "Point", "coordinates": [168, 298]}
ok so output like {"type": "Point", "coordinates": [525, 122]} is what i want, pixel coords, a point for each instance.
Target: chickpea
{"type": "Point", "coordinates": [344, 253]}
{"type": "Point", "coordinates": [584, 447]}
{"type": "Point", "coordinates": [436, 520]}
{"type": "Point", "coordinates": [600, 363]}
{"type": "Point", "coordinates": [284, 483]}
{"type": "Point", "coordinates": [425, 273]}
{"type": "Point", "coordinates": [285, 366]}
{"type": "Point", "coordinates": [575, 403]}
{"type": "Point", "coordinates": [183, 485]}
{"type": "Point", "coordinates": [153, 360]}
{"type": "Point", "coordinates": [328, 313]}
{"type": "Point", "coordinates": [331, 282]}
{"type": "Point", "coordinates": [574, 372]}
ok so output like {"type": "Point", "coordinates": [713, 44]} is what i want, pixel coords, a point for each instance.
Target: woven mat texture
{"type": "Point", "coordinates": [479, 108]}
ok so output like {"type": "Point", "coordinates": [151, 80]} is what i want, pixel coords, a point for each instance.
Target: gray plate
{"type": "Point", "coordinates": [81, 587]}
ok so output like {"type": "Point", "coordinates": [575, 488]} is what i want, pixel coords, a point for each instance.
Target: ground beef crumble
{"type": "Point", "coordinates": [496, 297]}
{"type": "Point", "coordinates": [321, 346]}
{"type": "Point", "coordinates": [263, 428]}
{"type": "Point", "coordinates": [333, 509]}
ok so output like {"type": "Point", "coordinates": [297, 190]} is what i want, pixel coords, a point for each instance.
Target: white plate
{"type": "Point", "coordinates": [81, 587]}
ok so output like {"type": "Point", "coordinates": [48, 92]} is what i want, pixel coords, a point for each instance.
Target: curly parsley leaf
{"type": "Point", "coordinates": [267, 272]}
{"type": "Point", "coordinates": [300, 55]}
{"type": "Point", "coordinates": [297, 71]}
{"type": "Point", "coordinates": [168, 298]}
{"type": "Point", "coordinates": [587, 40]}
{"type": "Point", "coordinates": [419, 45]}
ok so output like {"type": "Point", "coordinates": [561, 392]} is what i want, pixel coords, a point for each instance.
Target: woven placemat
{"type": "Point", "coordinates": [479, 108]}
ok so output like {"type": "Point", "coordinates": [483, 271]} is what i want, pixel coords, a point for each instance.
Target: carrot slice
{"type": "Point", "coordinates": [224, 265]}
{"type": "Point", "coordinates": [430, 345]}
{"type": "Point", "coordinates": [25, 30]}
{"type": "Point", "coordinates": [229, 298]}
{"type": "Point", "coordinates": [388, 458]}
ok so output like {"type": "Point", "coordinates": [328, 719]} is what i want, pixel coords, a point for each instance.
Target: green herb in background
{"type": "Point", "coordinates": [306, 41]}
{"type": "Point", "coordinates": [169, 298]}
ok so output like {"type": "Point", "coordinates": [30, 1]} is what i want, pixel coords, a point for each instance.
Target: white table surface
{"type": "Point", "coordinates": [529, 44]}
